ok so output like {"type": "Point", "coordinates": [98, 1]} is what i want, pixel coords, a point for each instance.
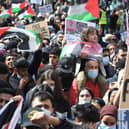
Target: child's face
{"type": "Point", "coordinates": [92, 37]}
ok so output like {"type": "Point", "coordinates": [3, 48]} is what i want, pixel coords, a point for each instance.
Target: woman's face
{"type": "Point", "coordinates": [84, 96]}
{"type": "Point", "coordinates": [108, 120]}
{"type": "Point", "coordinates": [50, 83]}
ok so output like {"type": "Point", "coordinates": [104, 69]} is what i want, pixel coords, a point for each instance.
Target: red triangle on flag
{"type": "Point", "coordinates": [22, 5]}
{"type": "Point", "coordinates": [30, 10]}
{"type": "Point", "coordinates": [93, 7]}
{"type": "Point", "coordinates": [10, 11]}
{"type": "Point", "coordinates": [3, 30]}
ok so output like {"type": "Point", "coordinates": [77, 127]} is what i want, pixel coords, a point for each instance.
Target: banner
{"type": "Point", "coordinates": [46, 9]}
{"type": "Point", "coordinates": [73, 29]}
{"type": "Point", "coordinates": [39, 27]}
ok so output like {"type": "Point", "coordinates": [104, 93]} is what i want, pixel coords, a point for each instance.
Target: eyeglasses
{"type": "Point", "coordinates": [3, 100]}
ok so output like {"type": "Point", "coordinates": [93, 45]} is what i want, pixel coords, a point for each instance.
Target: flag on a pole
{"type": "Point", "coordinates": [27, 12]}
{"type": "Point", "coordinates": [85, 12]}
{"type": "Point", "coordinates": [27, 41]}
{"type": "Point", "coordinates": [18, 5]}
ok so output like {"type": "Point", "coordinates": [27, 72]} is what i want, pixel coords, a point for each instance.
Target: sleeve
{"type": "Point", "coordinates": [35, 62]}
{"type": "Point", "coordinates": [73, 92]}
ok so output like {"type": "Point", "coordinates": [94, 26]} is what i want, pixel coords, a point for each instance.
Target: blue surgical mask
{"type": "Point", "coordinates": [92, 73]}
{"type": "Point", "coordinates": [106, 60]}
{"type": "Point", "coordinates": [104, 126]}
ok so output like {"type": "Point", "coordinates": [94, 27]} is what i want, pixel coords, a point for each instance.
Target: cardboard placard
{"type": "Point", "coordinates": [124, 96]}
{"type": "Point", "coordinates": [39, 27]}
{"type": "Point", "coordinates": [73, 29]}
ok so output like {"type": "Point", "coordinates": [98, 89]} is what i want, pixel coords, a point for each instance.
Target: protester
{"type": "Point", "coordinates": [90, 78]}
{"type": "Point", "coordinates": [108, 117]}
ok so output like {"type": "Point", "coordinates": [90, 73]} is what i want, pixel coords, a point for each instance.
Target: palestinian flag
{"type": "Point", "coordinates": [26, 40]}
{"type": "Point", "coordinates": [74, 48]}
{"type": "Point", "coordinates": [10, 113]}
{"type": "Point", "coordinates": [27, 12]}
{"type": "Point", "coordinates": [6, 13]}
{"type": "Point", "coordinates": [18, 5]}
{"type": "Point", "coordinates": [85, 12]}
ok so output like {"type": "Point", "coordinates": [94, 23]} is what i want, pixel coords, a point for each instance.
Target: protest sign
{"type": "Point", "coordinates": [123, 119]}
{"type": "Point", "coordinates": [124, 96]}
{"type": "Point", "coordinates": [39, 27]}
{"type": "Point", "coordinates": [46, 9]}
{"type": "Point", "coordinates": [36, 2]}
{"type": "Point", "coordinates": [73, 29]}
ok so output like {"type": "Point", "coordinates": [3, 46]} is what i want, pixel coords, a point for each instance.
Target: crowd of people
{"type": "Point", "coordinates": [54, 97]}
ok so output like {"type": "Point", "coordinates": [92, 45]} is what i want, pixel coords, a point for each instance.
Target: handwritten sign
{"type": "Point", "coordinates": [39, 27]}
{"type": "Point", "coordinates": [73, 29]}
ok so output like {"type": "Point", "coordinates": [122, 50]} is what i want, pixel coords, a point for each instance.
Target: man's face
{"type": "Point", "coordinates": [121, 54]}
{"type": "Point", "coordinates": [46, 104]}
{"type": "Point", "coordinates": [60, 37]}
{"type": "Point", "coordinates": [9, 61]}
{"type": "Point", "coordinates": [4, 98]}
{"type": "Point", "coordinates": [92, 65]}
{"type": "Point", "coordinates": [53, 59]}
{"type": "Point", "coordinates": [22, 71]}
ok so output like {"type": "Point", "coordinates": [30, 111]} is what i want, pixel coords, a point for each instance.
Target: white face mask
{"type": "Point", "coordinates": [104, 126]}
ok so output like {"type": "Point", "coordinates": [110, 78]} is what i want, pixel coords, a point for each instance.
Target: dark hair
{"type": "Point", "coordinates": [21, 62]}
{"type": "Point", "coordinates": [85, 88]}
{"type": "Point", "coordinates": [106, 50]}
{"type": "Point", "coordinates": [3, 68]}
{"type": "Point", "coordinates": [110, 92]}
{"type": "Point", "coordinates": [52, 74]}
{"type": "Point", "coordinates": [42, 95]}
{"type": "Point", "coordinates": [87, 113]}
{"type": "Point", "coordinates": [55, 51]}
{"type": "Point", "coordinates": [121, 47]}
{"type": "Point", "coordinates": [99, 101]}
{"type": "Point", "coordinates": [8, 91]}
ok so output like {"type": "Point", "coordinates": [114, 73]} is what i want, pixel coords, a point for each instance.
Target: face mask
{"type": "Point", "coordinates": [19, 76]}
{"type": "Point", "coordinates": [106, 60]}
{"type": "Point", "coordinates": [93, 73]}
{"type": "Point", "coordinates": [103, 126]}
{"type": "Point", "coordinates": [83, 102]}
{"type": "Point", "coordinates": [52, 88]}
